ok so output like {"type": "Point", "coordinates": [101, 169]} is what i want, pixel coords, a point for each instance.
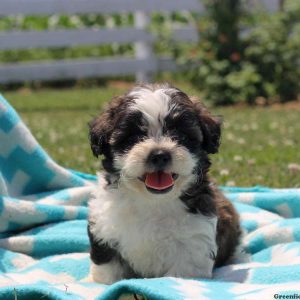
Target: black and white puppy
{"type": "Point", "coordinates": [158, 214]}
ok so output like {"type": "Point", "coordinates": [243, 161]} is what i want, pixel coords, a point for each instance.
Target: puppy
{"type": "Point", "coordinates": [157, 214]}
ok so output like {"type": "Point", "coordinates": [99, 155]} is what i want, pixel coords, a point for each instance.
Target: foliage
{"type": "Point", "coordinates": [231, 67]}
{"type": "Point", "coordinates": [274, 49]}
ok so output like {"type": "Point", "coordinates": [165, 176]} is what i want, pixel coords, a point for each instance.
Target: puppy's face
{"type": "Point", "coordinates": [155, 140]}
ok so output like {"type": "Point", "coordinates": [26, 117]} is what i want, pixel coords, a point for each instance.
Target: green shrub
{"type": "Point", "coordinates": [274, 50]}
{"type": "Point", "coordinates": [229, 68]}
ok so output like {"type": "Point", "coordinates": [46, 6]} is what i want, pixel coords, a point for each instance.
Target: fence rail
{"type": "Point", "coordinates": [143, 64]}
{"type": "Point", "coordinates": [76, 37]}
{"type": "Point", "coordinates": [34, 7]}
{"type": "Point", "coordinates": [83, 68]}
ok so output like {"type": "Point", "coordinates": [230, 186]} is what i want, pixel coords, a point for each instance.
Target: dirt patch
{"type": "Point", "coordinates": [292, 105]}
{"type": "Point", "coordinates": [120, 84]}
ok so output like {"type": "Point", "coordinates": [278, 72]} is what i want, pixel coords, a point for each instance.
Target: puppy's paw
{"type": "Point", "coordinates": [106, 273]}
{"type": "Point", "coordinates": [192, 270]}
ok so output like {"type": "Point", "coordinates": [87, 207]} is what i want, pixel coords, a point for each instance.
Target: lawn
{"type": "Point", "coordinates": [259, 145]}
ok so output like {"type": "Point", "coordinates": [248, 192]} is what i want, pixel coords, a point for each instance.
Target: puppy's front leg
{"type": "Point", "coordinates": [106, 266]}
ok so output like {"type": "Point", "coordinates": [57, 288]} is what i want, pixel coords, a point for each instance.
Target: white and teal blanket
{"type": "Point", "coordinates": [44, 244]}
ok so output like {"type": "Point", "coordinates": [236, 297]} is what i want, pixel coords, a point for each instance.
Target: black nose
{"type": "Point", "coordinates": [159, 159]}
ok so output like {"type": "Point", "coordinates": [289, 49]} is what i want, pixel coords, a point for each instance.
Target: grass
{"type": "Point", "coordinates": [258, 144]}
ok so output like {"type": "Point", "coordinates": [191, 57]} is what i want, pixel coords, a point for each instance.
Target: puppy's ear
{"type": "Point", "coordinates": [211, 128]}
{"type": "Point", "coordinates": [101, 128]}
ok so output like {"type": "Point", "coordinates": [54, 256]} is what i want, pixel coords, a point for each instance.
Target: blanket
{"type": "Point", "coordinates": [44, 248]}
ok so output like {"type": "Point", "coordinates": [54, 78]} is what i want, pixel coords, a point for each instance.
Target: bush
{"type": "Point", "coordinates": [229, 68]}
{"type": "Point", "coordinates": [274, 50]}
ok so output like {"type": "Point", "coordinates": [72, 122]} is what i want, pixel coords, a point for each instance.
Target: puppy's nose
{"type": "Point", "coordinates": [159, 159]}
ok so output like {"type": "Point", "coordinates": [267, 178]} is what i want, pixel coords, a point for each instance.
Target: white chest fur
{"type": "Point", "coordinates": [157, 239]}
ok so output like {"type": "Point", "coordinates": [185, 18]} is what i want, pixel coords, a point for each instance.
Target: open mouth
{"type": "Point", "coordinates": [159, 182]}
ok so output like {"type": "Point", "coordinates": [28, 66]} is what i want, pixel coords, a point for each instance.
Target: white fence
{"type": "Point", "coordinates": [143, 64]}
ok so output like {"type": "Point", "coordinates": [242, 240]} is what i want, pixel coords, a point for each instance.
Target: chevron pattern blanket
{"type": "Point", "coordinates": [44, 244]}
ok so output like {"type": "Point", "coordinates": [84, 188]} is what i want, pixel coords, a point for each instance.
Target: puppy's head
{"type": "Point", "coordinates": [155, 140]}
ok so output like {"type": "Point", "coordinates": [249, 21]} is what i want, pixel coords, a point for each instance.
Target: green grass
{"type": "Point", "coordinates": [258, 144]}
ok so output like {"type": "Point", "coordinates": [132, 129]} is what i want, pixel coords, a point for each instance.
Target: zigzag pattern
{"type": "Point", "coordinates": [44, 244]}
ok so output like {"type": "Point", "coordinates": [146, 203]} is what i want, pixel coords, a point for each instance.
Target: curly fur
{"type": "Point", "coordinates": [184, 232]}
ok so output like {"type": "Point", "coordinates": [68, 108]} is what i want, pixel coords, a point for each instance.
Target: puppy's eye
{"type": "Point", "coordinates": [189, 138]}
{"type": "Point", "coordinates": [123, 141]}
{"type": "Point", "coordinates": [134, 139]}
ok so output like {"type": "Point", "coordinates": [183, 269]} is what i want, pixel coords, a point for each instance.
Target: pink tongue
{"type": "Point", "coordinates": [159, 180]}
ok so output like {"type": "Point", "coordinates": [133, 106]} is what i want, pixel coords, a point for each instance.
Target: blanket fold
{"type": "Point", "coordinates": [44, 244]}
